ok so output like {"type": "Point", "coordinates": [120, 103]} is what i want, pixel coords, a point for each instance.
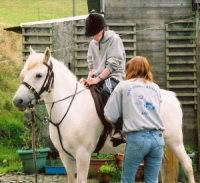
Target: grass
{"type": "Point", "coordinates": [11, 120]}
{"type": "Point", "coordinates": [12, 13]}
{"type": "Point", "coordinates": [9, 162]}
{"type": "Point", "coordinates": [21, 11]}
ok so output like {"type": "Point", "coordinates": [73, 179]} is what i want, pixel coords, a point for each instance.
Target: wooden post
{"type": "Point", "coordinates": [33, 143]}
{"type": "Point", "coordinates": [198, 82]}
{"type": "Point", "coordinates": [74, 8]}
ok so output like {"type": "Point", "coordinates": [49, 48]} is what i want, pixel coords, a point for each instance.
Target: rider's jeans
{"type": "Point", "coordinates": [147, 146]}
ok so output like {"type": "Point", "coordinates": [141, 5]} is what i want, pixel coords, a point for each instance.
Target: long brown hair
{"type": "Point", "coordinates": [138, 67]}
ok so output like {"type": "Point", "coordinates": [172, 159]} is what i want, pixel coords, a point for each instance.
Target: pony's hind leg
{"type": "Point", "coordinates": [171, 115]}
{"type": "Point", "coordinates": [184, 159]}
{"type": "Point", "coordinates": [186, 164]}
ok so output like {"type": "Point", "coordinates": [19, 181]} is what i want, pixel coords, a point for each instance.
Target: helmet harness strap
{"type": "Point", "coordinates": [101, 39]}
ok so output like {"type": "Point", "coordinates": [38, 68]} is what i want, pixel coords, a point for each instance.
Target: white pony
{"type": "Point", "coordinates": [74, 118]}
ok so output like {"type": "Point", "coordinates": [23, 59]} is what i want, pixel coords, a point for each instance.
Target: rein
{"type": "Point", "coordinates": [47, 85]}
{"type": "Point", "coordinates": [61, 99]}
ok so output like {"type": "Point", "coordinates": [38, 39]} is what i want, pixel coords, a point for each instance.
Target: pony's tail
{"type": "Point", "coordinates": [170, 163]}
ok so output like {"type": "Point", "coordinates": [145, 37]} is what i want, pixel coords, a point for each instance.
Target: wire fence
{"type": "Point", "coordinates": [75, 46]}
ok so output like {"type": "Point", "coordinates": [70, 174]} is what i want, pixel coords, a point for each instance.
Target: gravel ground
{"type": "Point", "coordinates": [42, 178]}
{"type": "Point", "coordinates": [23, 178]}
{"type": "Point", "coordinates": [18, 177]}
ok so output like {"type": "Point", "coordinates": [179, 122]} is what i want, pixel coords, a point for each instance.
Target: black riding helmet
{"type": "Point", "coordinates": [94, 24]}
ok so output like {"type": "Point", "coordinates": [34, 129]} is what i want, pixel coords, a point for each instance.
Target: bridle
{"type": "Point", "coordinates": [47, 85]}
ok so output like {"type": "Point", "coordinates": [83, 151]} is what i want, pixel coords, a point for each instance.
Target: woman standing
{"type": "Point", "coordinates": [137, 100]}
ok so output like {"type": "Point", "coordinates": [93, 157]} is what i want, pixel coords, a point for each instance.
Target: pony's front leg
{"type": "Point", "coordinates": [83, 161]}
{"type": "Point", "coordinates": [70, 165]}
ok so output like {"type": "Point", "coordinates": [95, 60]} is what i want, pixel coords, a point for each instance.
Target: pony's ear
{"type": "Point", "coordinates": [31, 51]}
{"type": "Point", "coordinates": [47, 54]}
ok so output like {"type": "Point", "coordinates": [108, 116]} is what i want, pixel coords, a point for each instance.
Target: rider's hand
{"type": "Point", "coordinates": [82, 81]}
{"type": "Point", "coordinates": [93, 81]}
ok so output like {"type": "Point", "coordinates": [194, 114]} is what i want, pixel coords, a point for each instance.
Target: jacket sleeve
{"type": "Point", "coordinates": [116, 55]}
{"type": "Point", "coordinates": [113, 108]}
{"type": "Point", "coordinates": [89, 58]}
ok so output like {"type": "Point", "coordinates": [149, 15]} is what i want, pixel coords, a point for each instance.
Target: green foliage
{"type": "Point", "coordinates": [107, 168]}
{"type": "Point", "coordinates": [113, 170]}
{"type": "Point", "coordinates": [9, 82]}
{"type": "Point", "coordinates": [9, 160]}
{"type": "Point", "coordinates": [189, 150]}
{"type": "Point", "coordinates": [8, 106]}
{"type": "Point", "coordinates": [11, 133]}
{"type": "Point", "coordinates": [11, 120]}
{"type": "Point", "coordinates": [102, 156]}
{"type": "Point", "coordinates": [27, 136]}
{"type": "Point", "coordinates": [194, 166]}
{"type": "Point", "coordinates": [116, 175]}
{"type": "Point", "coordinates": [54, 162]}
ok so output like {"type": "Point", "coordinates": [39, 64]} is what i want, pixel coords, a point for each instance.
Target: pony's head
{"type": "Point", "coordinates": [37, 77]}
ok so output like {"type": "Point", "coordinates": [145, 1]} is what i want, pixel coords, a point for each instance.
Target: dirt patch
{"type": "Point", "coordinates": [10, 45]}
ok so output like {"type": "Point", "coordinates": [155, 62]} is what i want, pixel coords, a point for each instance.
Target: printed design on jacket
{"type": "Point", "coordinates": [142, 100]}
{"type": "Point", "coordinates": [150, 106]}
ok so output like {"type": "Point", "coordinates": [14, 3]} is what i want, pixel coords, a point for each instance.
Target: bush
{"type": "Point", "coordinates": [11, 133]}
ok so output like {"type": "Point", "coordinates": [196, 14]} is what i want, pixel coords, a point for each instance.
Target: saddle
{"type": "Point", "coordinates": [117, 138]}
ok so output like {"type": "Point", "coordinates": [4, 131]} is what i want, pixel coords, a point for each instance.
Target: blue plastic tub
{"type": "Point", "coordinates": [55, 169]}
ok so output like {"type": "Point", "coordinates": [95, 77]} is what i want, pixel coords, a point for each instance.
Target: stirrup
{"type": "Point", "coordinates": [118, 138]}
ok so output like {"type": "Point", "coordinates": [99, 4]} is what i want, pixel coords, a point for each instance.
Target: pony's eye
{"type": "Point", "coordinates": [38, 75]}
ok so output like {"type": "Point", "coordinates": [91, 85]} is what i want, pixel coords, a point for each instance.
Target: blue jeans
{"type": "Point", "coordinates": [147, 146]}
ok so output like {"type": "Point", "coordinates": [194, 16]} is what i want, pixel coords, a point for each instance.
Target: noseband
{"type": "Point", "coordinates": [47, 85]}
